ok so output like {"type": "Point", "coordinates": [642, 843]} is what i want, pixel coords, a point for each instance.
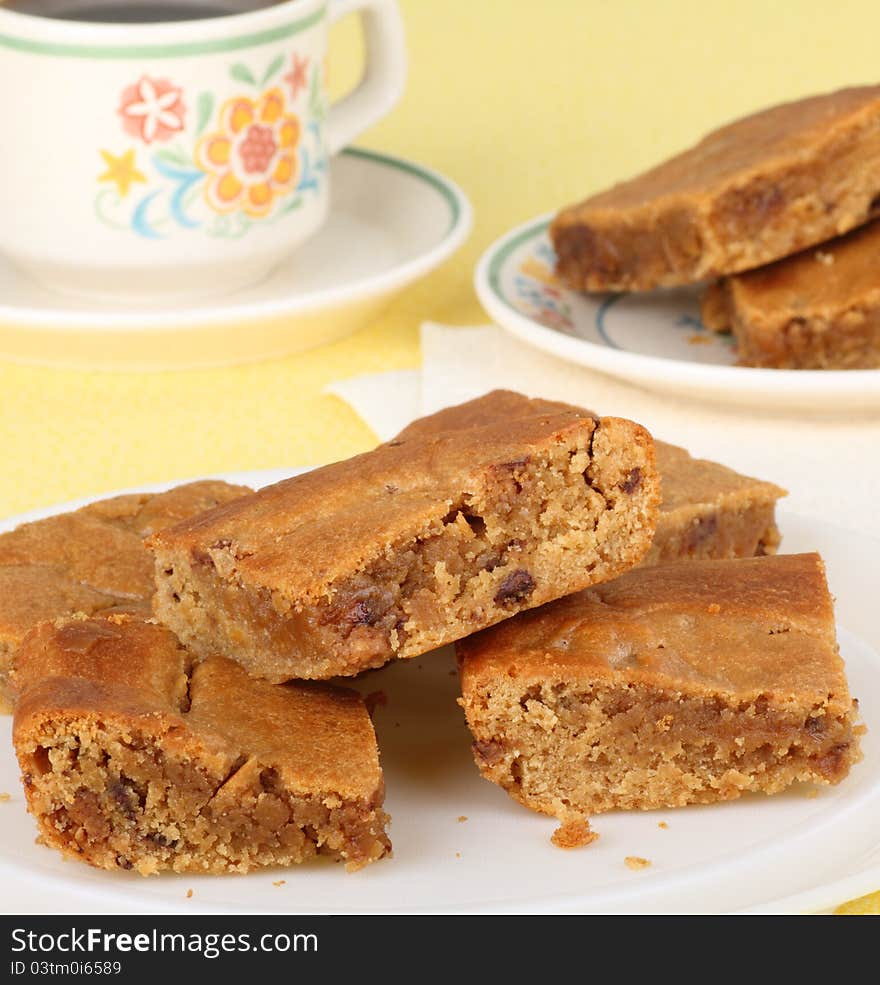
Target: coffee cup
{"type": "Point", "coordinates": [173, 160]}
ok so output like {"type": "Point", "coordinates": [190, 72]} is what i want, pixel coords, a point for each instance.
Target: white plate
{"type": "Point", "coordinates": [391, 222]}
{"type": "Point", "coordinates": [787, 853]}
{"type": "Point", "coordinates": [654, 339]}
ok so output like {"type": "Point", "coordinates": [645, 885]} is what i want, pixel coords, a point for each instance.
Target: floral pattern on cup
{"type": "Point", "coordinates": [248, 161]}
{"type": "Point", "coordinates": [538, 289]}
{"type": "Point", "coordinates": [297, 78]}
{"type": "Point", "coordinates": [152, 109]}
{"type": "Point", "coordinates": [251, 158]}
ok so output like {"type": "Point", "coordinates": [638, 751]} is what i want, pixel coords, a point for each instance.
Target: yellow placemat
{"type": "Point", "coordinates": [860, 907]}
{"type": "Point", "coordinates": [527, 106]}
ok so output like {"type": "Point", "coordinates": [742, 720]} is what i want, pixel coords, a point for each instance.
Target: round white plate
{"type": "Point", "coordinates": [391, 222]}
{"type": "Point", "coordinates": [788, 853]}
{"type": "Point", "coordinates": [654, 339]}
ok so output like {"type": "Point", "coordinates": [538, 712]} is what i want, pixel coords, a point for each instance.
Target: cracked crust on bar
{"type": "Point", "coordinates": [413, 545]}
{"type": "Point", "coordinates": [706, 510]}
{"type": "Point", "coordinates": [676, 684]}
{"type": "Point", "coordinates": [817, 310]}
{"type": "Point", "coordinates": [752, 192]}
{"type": "Point", "coordinates": [132, 757]}
{"type": "Point", "coordinates": [91, 560]}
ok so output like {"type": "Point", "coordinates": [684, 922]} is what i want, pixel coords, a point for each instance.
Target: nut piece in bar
{"type": "Point", "coordinates": [89, 561]}
{"type": "Point", "coordinates": [752, 192]}
{"type": "Point", "coordinates": [133, 758]}
{"type": "Point", "coordinates": [817, 310]}
{"type": "Point", "coordinates": [675, 684]}
{"type": "Point", "coordinates": [416, 544]}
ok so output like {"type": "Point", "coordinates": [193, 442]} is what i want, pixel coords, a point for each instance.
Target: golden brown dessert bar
{"type": "Point", "coordinates": [675, 684]}
{"type": "Point", "coordinates": [752, 192]}
{"type": "Point", "coordinates": [706, 509]}
{"type": "Point", "coordinates": [710, 511]}
{"type": "Point", "coordinates": [89, 561]}
{"type": "Point", "coordinates": [410, 546]}
{"type": "Point", "coordinates": [133, 758]}
{"type": "Point", "coordinates": [817, 310]}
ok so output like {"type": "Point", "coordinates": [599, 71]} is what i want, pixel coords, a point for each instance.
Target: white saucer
{"type": "Point", "coordinates": [391, 222]}
{"type": "Point", "coordinates": [784, 854]}
{"type": "Point", "coordinates": [653, 339]}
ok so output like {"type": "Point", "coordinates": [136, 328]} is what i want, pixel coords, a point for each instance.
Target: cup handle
{"type": "Point", "coordinates": [384, 75]}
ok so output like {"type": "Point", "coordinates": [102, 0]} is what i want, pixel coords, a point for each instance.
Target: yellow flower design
{"type": "Point", "coordinates": [251, 158]}
{"type": "Point", "coordinates": [538, 271]}
{"type": "Point", "coordinates": [121, 170]}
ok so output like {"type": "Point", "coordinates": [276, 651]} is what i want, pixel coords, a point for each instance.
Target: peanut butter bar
{"type": "Point", "coordinates": [710, 511]}
{"type": "Point", "coordinates": [675, 684]}
{"type": "Point", "coordinates": [754, 191]}
{"type": "Point", "coordinates": [89, 561]}
{"type": "Point", "coordinates": [415, 544]}
{"type": "Point", "coordinates": [706, 509]}
{"type": "Point", "coordinates": [134, 758]}
{"type": "Point", "coordinates": [817, 310]}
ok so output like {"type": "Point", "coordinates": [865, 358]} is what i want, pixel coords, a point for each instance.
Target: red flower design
{"type": "Point", "coordinates": [152, 109]}
{"type": "Point", "coordinates": [296, 77]}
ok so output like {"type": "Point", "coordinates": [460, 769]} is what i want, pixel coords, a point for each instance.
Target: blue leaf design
{"type": "Point", "coordinates": [184, 178]}
{"type": "Point", "coordinates": [139, 222]}
{"type": "Point", "coordinates": [546, 252]}
{"type": "Point", "coordinates": [304, 169]}
{"type": "Point", "coordinates": [178, 204]}
{"type": "Point", "coordinates": [175, 173]}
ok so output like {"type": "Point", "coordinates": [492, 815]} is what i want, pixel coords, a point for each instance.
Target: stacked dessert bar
{"type": "Point", "coordinates": [169, 656]}
{"type": "Point", "coordinates": [777, 209]}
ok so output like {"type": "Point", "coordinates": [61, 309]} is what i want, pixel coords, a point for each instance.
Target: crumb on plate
{"type": "Point", "coordinates": [575, 833]}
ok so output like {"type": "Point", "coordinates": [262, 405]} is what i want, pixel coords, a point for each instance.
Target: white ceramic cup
{"type": "Point", "coordinates": [167, 161]}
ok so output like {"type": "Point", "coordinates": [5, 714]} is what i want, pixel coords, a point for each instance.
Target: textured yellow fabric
{"type": "Point", "coordinates": [860, 907]}
{"type": "Point", "coordinates": [527, 105]}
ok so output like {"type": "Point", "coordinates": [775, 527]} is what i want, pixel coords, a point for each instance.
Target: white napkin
{"type": "Point", "coordinates": [831, 466]}
{"type": "Point", "coordinates": [387, 402]}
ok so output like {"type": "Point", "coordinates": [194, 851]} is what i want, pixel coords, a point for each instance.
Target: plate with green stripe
{"type": "Point", "coordinates": [655, 339]}
{"type": "Point", "coordinates": [392, 221]}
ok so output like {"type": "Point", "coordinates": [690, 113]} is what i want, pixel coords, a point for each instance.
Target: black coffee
{"type": "Point", "coordinates": [120, 12]}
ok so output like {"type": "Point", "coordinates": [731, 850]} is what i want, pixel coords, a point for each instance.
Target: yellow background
{"type": "Point", "coordinates": [526, 105]}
